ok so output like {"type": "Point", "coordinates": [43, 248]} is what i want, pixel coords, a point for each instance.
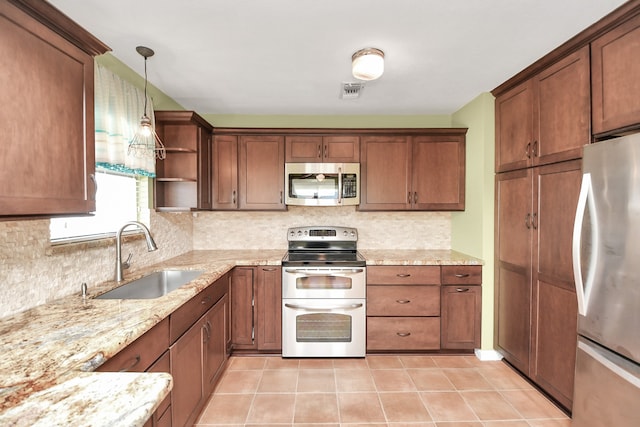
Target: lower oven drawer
{"type": "Point", "coordinates": [403, 333]}
{"type": "Point", "coordinates": [323, 327]}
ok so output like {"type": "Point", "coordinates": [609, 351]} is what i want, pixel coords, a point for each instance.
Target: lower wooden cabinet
{"type": "Point", "coordinates": [197, 358]}
{"type": "Point", "coordinates": [460, 316]}
{"type": "Point", "coordinates": [162, 416]}
{"type": "Point", "coordinates": [417, 308]}
{"type": "Point", "coordinates": [256, 309]}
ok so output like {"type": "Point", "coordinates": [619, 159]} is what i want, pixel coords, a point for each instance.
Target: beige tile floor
{"type": "Point", "coordinates": [377, 391]}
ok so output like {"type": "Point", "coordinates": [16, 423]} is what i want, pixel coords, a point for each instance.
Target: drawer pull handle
{"type": "Point", "coordinates": [403, 334]}
{"type": "Point", "coordinates": [403, 275]}
{"type": "Point", "coordinates": [462, 276]}
{"type": "Point", "coordinates": [403, 301]}
{"type": "Point", "coordinates": [205, 300]}
{"type": "Point", "coordinates": [462, 289]}
{"type": "Point", "coordinates": [269, 269]}
{"type": "Point", "coordinates": [136, 360]}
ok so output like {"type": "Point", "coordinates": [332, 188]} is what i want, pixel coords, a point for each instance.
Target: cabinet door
{"type": "Point", "coordinates": [261, 173]}
{"type": "Point", "coordinates": [269, 308]}
{"type": "Point", "coordinates": [514, 128]}
{"type": "Point", "coordinates": [47, 162]}
{"type": "Point", "coordinates": [564, 109]}
{"type": "Point", "coordinates": [615, 83]}
{"type": "Point", "coordinates": [303, 148]}
{"type": "Point", "coordinates": [438, 173]}
{"type": "Point", "coordinates": [187, 369]}
{"type": "Point", "coordinates": [385, 182]}
{"type": "Point", "coordinates": [460, 317]}
{"type": "Point", "coordinates": [225, 172]}
{"type": "Point", "coordinates": [215, 349]}
{"type": "Point", "coordinates": [554, 311]}
{"type": "Point", "coordinates": [242, 300]}
{"type": "Point", "coordinates": [162, 416]}
{"type": "Point", "coordinates": [513, 266]}
{"type": "Point", "coordinates": [341, 149]}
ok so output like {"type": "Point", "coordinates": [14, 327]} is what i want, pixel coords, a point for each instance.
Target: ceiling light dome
{"type": "Point", "coordinates": [367, 63]}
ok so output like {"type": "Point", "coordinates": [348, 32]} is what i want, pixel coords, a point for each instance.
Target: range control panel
{"type": "Point", "coordinates": [322, 233]}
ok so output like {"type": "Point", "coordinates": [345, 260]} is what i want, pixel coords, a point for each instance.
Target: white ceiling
{"type": "Point", "coordinates": [291, 56]}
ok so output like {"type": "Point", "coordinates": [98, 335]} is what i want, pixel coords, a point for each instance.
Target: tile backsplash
{"type": "Point", "coordinates": [31, 274]}
{"type": "Point", "coordinates": [268, 230]}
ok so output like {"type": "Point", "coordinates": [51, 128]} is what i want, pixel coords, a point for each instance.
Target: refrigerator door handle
{"type": "Point", "coordinates": [584, 284]}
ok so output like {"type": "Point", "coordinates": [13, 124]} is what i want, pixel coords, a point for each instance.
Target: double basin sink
{"type": "Point", "coordinates": [153, 285]}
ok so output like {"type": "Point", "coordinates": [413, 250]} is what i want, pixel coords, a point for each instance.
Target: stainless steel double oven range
{"type": "Point", "coordinates": [323, 294]}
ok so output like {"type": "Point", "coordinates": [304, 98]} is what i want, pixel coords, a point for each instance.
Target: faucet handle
{"type": "Point", "coordinates": [127, 263]}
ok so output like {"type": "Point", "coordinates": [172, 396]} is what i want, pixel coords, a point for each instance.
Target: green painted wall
{"type": "Point", "coordinates": [472, 230]}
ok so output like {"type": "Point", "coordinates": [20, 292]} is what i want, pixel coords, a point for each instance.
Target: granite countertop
{"type": "Point", "coordinates": [50, 352]}
{"type": "Point", "coordinates": [417, 257]}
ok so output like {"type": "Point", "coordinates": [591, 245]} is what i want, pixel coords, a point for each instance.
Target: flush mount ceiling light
{"type": "Point", "coordinates": [146, 142]}
{"type": "Point", "coordinates": [367, 63]}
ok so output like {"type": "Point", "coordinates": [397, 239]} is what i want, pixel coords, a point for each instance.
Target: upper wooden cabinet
{"type": "Point", "coordinates": [545, 119]}
{"type": "Point", "coordinates": [316, 148]}
{"type": "Point", "coordinates": [47, 143]}
{"type": "Point", "coordinates": [183, 179]}
{"type": "Point", "coordinates": [413, 172]}
{"type": "Point", "coordinates": [615, 59]}
{"type": "Point", "coordinates": [261, 172]}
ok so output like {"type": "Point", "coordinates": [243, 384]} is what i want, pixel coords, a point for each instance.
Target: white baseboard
{"type": "Point", "coordinates": [486, 355]}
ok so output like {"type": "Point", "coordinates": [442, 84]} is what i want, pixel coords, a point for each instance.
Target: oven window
{"type": "Point", "coordinates": [323, 327]}
{"type": "Point", "coordinates": [323, 282]}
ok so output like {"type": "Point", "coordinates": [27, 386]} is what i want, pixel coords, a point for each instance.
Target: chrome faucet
{"type": "Point", "coordinates": [151, 246]}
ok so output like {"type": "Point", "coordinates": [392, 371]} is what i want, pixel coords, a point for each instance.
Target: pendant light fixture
{"type": "Point", "coordinates": [146, 142]}
{"type": "Point", "coordinates": [367, 63]}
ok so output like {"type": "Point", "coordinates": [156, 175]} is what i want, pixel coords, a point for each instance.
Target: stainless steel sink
{"type": "Point", "coordinates": [153, 285]}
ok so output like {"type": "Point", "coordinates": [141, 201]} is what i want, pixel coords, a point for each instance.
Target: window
{"type": "Point", "coordinates": [122, 177]}
{"type": "Point", "coordinates": [120, 198]}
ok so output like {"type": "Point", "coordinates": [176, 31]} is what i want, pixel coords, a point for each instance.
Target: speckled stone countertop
{"type": "Point", "coordinates": [50, 352]}
{"type": "Point", "coordinates": [417, 257]}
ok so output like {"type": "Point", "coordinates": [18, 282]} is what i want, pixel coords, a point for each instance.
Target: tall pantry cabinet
{"type": "Point", "coordinates": [541, 126]}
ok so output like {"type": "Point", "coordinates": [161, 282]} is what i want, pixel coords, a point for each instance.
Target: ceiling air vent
{"type": "Point", "coordinates": [351, 90]}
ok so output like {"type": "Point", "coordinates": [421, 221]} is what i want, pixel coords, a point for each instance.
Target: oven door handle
{"type": "Point", "coordinates": [335, 307]}
{"type": "Point", "coordinates": [346, 272]}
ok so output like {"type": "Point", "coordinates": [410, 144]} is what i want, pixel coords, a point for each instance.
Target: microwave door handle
{"type": "Point", "coordinates": [339, 186]}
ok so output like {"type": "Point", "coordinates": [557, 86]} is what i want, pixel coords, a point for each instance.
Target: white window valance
{"type": "Point", "coordinates": [119, 105]}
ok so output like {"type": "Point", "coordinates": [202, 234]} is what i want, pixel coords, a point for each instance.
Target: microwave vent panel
{"type": "Point", "coordinates": [351, 90]}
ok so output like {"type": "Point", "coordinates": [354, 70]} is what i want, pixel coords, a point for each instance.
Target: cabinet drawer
{"type": "Point", "coordinates": [141, 353]}
{"type": "Point", "coordinates": [403, 333]}
{"type": "Point", "coordinates": [403, 275]}
{"type": "Point", "coordinates": [185, 316]}
{"type": "Point", "coordinates": [461, 274]}
{"type": "Point", "coordinates": [400, 300]}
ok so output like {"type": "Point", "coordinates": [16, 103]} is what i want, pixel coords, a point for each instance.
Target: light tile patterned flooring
{"type": "Point", "coordinates": [377, 391]}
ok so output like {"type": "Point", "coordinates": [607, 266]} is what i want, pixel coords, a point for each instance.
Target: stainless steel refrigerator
{"type": "Point", "coordinates": [606, 264]}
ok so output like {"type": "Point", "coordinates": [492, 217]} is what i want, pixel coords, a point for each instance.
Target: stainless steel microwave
{"type": "Point", "coordinates": [322, 184]}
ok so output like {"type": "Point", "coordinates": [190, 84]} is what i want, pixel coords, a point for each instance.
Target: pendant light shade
{"type": "Point", "coordinates": [146, 142]}
{"type": "Point", "coordinates": [367, 64]}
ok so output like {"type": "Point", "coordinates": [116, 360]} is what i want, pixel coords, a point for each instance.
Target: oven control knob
{"type": "Point", "coordinates": [345, 233]}
{"type": "Point", "coordinates": [299, 232]}
{"type": "Point", "coordinates": [353, 234]}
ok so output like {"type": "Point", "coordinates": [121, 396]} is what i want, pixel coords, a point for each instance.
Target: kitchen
{"type": "Point", "coordinates": [469, 232]}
